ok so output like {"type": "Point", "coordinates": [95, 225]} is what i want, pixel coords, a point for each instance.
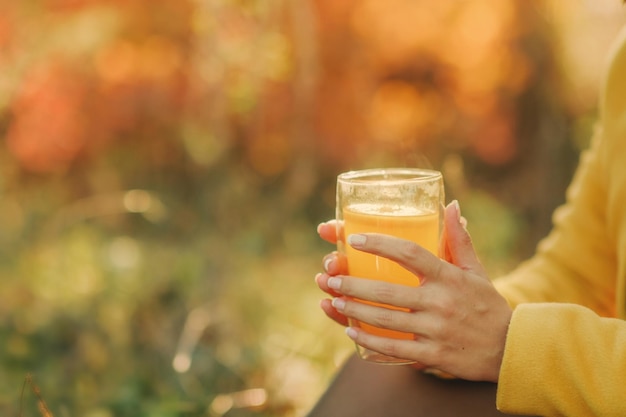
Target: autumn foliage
{"type": "Point", "coordinates": [163, 165]}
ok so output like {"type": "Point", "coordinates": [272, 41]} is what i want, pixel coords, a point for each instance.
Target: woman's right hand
{"type": "Point", "coordinates": [334, 264]}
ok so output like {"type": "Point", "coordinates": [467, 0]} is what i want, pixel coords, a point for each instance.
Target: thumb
{"type": "Point", "coordinates": [458, 248]}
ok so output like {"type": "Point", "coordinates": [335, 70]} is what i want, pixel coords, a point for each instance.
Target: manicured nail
{"type": "Point", "coordinates": [322, 224]}
{"type": "Point", "coordinates": [462, 220]}
{"type": "Point", "coordinates": [339, 303]}
{"type": "Point", "coordinates": [357, 240]}
{"type": "Point", "coordinates": [327, 263]}
{"type": "Point", "coordinates": [334, 283]}
{"type": "Point", "coordinates": [457, 207]}
{"type": "Point", "coordinates": [352, 334]}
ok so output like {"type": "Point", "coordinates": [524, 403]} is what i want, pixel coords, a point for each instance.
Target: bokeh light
{"type": "Point", "coordinates": [164, 165]}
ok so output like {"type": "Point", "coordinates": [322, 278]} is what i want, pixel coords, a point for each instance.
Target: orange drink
{"type": "Point", "coordinates": [405, 203]}
{"type": "Point", "coordinates": [405, 222]}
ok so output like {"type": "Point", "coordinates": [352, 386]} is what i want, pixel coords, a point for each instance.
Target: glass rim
{"type": "Point", "coordinates": [393, 174]}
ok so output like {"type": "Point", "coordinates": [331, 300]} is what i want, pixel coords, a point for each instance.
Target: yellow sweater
{"type": "Point", "coordinates": [565, 352]}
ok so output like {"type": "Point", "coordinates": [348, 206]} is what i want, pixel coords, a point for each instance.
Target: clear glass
{"type": "Point", "coordinates": [403, 202]}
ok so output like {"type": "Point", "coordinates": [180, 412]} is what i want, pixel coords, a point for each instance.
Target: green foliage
{"type": "Point", "coordinates": [163, 167]}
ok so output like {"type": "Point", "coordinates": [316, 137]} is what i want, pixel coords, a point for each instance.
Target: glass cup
{"type": "Point", "coordinates": [403, 202]}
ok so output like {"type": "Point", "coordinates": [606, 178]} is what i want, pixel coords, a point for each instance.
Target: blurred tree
{"type": "Point", "coordinates": [163, 166]}
{"type": "Point", "coordinates": [417, 83]}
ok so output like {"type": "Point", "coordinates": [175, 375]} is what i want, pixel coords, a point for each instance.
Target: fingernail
{"type": "Point", "coordinates": [334, 283]}
{"type": "Point", "coordinates": [352, 334]}
{"type": "Point", "coordinates": [457, 207]}
{"type": "Point", "coordinates": [339, 303]}
{"type": "Point", "coordinates": [319, 226]}
{"type": "Point", "coordinates": [327, 263]}
{"type": "Point", "coordinates": [357, 240]}
{"type": "Point", "coordinates": [462, 220]}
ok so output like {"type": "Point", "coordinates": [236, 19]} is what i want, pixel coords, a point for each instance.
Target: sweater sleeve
{"type": "Point", "coordinates": [576, 263]}
{"type": "Point", "coordinates": [561, 357]}
{"type": "Point", "coordinates": [565, 353]}
{"type": "Point", "coordinates": [543, 351]}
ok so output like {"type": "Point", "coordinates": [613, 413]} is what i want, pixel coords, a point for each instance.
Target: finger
{"type": "Point", "coordinates": [397, 348]}
{"type": "Point", "coordinates": [419, 366]}
{"type": "Point", "coordinates": [402, 296]}
{"type": "Point", "coordinates": [332, 313]}
{"type": "Point", "coordinates": [322, 282]}
{"type": "Point", "coordinates": [459, 247]}
{"type": "Point", "coordinates": [330, 230]}
{"type": "Point", "coordinates": [335, 263]}
{"type": "Point", "coordinates": [378, 316]}
{"type": "Point", "coordinates": [409, 254]}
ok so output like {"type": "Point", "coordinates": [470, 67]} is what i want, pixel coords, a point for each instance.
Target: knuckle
{"type": "Point", "coordinates": [447, 309]}
{"type": "Point", "coordinates": [439, 271]}
{"type": "Point", "coordinates": [384, 318]}
{"type": "Point", "coordinates": [384, 292]}
{"type": "Point", "coordinates": [438, 330]}
{"type": "Point", "coordinates": [409, 250]}
{"type": "Point", "coordinates": [431, 353]}
{"type": "Point", "coordinates": [433, 357]}
{"type": "Point", "coordinates": [389, 348]}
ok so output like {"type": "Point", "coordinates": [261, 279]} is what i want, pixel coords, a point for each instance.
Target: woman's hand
{"type": "Point", "coordinates": [458, 318]}
{"type": "Point", "coordinates": [334, 264]}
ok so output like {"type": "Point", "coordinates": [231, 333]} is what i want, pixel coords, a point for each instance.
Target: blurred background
{"type": "Point", "coordinates": [164, 165]}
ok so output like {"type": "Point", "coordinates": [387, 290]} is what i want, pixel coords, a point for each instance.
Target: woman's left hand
{"type": "Point", "coordinates": [458, 318]}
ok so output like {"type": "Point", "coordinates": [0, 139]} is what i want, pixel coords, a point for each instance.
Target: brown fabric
{"type": "Point", "coordinates": [366, 389]}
